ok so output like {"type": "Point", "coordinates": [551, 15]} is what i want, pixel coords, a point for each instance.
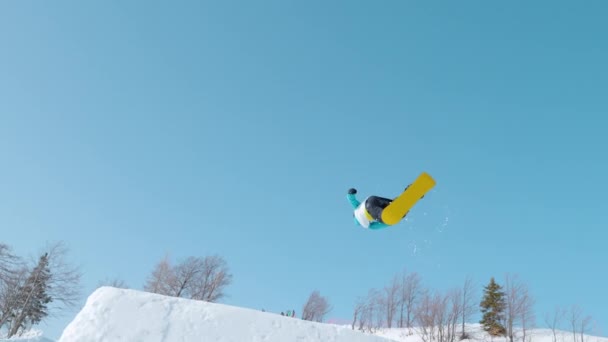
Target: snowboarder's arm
{"type": "Point", "coordinates": [352, 198]}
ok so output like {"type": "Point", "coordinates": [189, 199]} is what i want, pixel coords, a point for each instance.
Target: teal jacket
{"type": "Point", "coordinates": [355, 203]}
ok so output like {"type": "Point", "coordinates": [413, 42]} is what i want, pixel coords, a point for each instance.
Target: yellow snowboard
{"type": "Point", "coordinates": [395, 211]}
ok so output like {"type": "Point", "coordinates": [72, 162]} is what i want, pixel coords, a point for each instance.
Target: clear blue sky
{"type": "Point", "coordinates": [135, 129]}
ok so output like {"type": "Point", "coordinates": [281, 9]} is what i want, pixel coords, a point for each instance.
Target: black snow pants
{"type": "Point", "coordinates": [374, 206]}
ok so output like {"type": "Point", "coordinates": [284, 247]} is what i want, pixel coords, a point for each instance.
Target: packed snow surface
{"type": "Point", "coordinates": [115, 315]}
{"type": "Point", "coordinates": [33, 335]}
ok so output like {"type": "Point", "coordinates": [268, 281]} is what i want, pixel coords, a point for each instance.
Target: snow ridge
{"type": "Point", "coordinates": [116, 315]}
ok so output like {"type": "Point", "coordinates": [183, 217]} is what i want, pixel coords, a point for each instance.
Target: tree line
{"type": "Point", "coordinates": [507, 310]}
{"type": "Point", "coordinates": [406, 303]}
{"type": "Point", "coordinates": [31, 291]}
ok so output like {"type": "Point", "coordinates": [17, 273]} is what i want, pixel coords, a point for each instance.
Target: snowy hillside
{"type": "Point", "coordinates": [30, 336]}
{"type": "Point", "coordinates": [116, 315]}
{"type": "Point", "coordinates": [478, 335]}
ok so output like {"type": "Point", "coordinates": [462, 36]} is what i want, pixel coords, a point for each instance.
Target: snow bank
{"type": "Point", "coordinates": [116, 315]}
{"type": "Point", "coordinates": [29, 336]}
{"type": "Point", "coordinates": [476, 333]}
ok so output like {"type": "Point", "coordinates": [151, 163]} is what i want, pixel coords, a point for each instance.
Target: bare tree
{"type": "Point", "coordinates": [585, 326]}
{"type": "Point", "coordinates": [469, 306]}
{"type": "Point", "coordinates": [358, 312]}
{"type": "Point", "coordinates": [316, 307]}
{"type": "Point", "coordinates": [366, 315]}
{"type": "Point", "coordinates": [410, 292]}
{"type": "Point", "coordinates": [448, 309]}
{"type": "Point", "coordinates": [391, 300]}
{"type": "Point", "coordinates": [527, 316]}
{"type": "Point", "coordinates": [455, 310]}
{"type": "Point", "coordinates": [518, 305]}
{"type": "Point", "coordinates": [379, 312]}
{"type": "Point", "coordinates": [578, 322]}
{"type": "Point", "coordinates": [426, 313]}
{"type": "Point", "coordinates": [194, 278]}
{"type": "Point", "coordinates": [9, 282]}
{"type": "Point", "coordinates": [10, 292]}
{"type": "Point", "coordinates": [372, 312]}
{"type": "Point", "coordinates": [161, 279]}
{"type": "Point", "coordinates": [437, 315]}
{"type": "Point", "coordinates": [573, 318]}
{"type": "Point", "coordinates": [186, 275]}
{"type": "Point", "coordinates": [442, 319]}
{"type": "Point", "coordinates": [8, 262]}
{"type": "Point", "coordinates": [512, 292]}
{"type": "Point", "coordinates": [553, 321]}
{"type": "Point", "coordinates": [215, 277]}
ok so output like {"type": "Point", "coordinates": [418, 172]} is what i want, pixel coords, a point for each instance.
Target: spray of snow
{"type": "Point", "coordinates": [441, 227]}
{"type": "Point", "coordinates": [431, 222]}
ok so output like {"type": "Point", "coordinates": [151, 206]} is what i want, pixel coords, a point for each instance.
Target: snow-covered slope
{"type": "Point", "coordinates": [116, 315]}
{"type": "Point", "coordinates": [477, 334]}
{"type": "Point", "coordinates": [29, 336]}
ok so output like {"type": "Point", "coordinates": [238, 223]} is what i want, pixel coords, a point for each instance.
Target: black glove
{"type": "Point", "coordinates": [352, 191]}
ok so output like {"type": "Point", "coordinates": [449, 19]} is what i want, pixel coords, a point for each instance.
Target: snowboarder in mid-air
{"type": "Point", "coordinates": [368, 214]}
{"type": "Point", "coordinates": [377, 212]}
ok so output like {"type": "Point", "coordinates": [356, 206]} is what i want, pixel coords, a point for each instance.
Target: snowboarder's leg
{"type": "Point", "coordinates": [374, 206]}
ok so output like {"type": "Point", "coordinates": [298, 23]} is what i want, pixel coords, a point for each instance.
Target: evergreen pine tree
{"type": "Point", "coordinates": [38, 308]}
{"type": "Point", "coordinates": [492, 307]}
{"type": "Point", "coordinates": [33, 297]}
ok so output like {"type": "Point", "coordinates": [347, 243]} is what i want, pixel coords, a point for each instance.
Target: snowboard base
{"type": "Point", "coordinates": [395, 211]}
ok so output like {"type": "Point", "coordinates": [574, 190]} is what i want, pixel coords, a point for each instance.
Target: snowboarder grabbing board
{"type": "Point", "coordinates": [377, 212]}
